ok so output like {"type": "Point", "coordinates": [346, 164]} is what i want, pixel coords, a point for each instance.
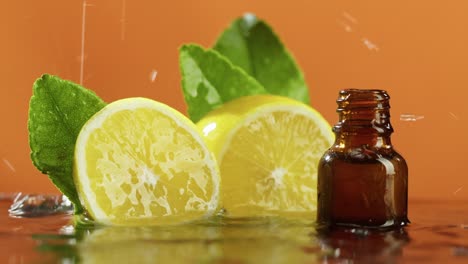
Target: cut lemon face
{"type": "Point", "coordinates": [140, 162]}
{"type": "Point", "coordinates": [268, 148]}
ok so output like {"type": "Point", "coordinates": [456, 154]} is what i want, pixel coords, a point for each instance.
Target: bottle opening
{"type": "Point", "coordinates": [363, 98]}
{"type": "Point", "coordinates": [363, 108]}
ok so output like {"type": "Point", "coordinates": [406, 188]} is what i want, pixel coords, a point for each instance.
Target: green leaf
{"type": "Point", "coordinates": [209, 80]}
{"type": "Point", "coordinates": [252, 45]}
{"type": "Point", "coordinates": [57, 111]}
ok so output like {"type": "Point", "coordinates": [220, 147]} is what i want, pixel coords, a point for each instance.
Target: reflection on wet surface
{"type": "Point", "coordinates": [438, 234]}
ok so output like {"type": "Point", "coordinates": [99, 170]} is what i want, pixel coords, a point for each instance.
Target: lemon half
{"type": "Point", "coordinates": [268, 148]}
{"type": "Point", "coordinates": [140, 162]}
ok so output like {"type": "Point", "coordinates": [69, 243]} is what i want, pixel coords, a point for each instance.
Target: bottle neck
{"type": "Point", "coordinates": [346, 139]}
{"type": "Point", "coordinates": [364, 118]}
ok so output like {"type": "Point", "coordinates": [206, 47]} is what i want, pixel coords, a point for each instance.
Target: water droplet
{"type": "Point", "coordinates": [370, 45]}
{"type": "Point", "coordinates": [345, 26]}
{"type": "Point", "coordinates": [360, 232]}
{"type": "Point", "coordinates": [250, 19]}
{"type": "Point", "coordinates": [457, 190]}
{"type": "Point", "coordinates": [153, 75]}
{"type": "Point", "coordinates": [337, 252]}
{"type": "Point", "coordinates": [411, 117]}
{"type": "Point", "coordinates": [210, 127]}
{"type": "Point", "coordinates": [67, 230]}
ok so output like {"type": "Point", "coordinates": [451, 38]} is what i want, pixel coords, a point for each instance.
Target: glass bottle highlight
{"type": "Point", "coordinates": [362, 180]}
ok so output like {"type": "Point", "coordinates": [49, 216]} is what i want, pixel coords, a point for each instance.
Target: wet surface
{"type": "Point", "coordinates": [438, 234]}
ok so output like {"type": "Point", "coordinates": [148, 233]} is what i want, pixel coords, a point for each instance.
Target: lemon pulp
{"type": "Point", "coordinates": [268, 149]}
{"type": "Point", "coordinates": [140, 162]}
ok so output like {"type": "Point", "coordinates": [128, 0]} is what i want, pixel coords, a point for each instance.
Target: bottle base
{"type": "Point", "coordinates": [389, 224]}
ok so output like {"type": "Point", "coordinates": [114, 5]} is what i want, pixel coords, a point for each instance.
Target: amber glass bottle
{"type": "Point", "coordinates": [362, 180]}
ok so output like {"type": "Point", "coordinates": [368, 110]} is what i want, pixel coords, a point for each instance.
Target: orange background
{"type": "Point", "coordinates": [417, 50]}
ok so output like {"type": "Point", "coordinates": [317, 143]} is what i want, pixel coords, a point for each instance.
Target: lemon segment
{"type": "Point", "coordinates": [140, 162]}
{"type": "Point", "coordinates": [268, 148]}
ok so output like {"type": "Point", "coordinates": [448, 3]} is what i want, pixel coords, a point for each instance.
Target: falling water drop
{"type": "Point", "coordinates": [153, 75]}
{"type": "Point", "coordinates": [370, 45]}
{"type": "Point", "coordinates": [411, 117]}
{"type": "Point", "coordinates": [9, 165]}
{"type": "Point", "coordinates": [345, 26]}
{"type": "Point", "coordinates": [457, 190]}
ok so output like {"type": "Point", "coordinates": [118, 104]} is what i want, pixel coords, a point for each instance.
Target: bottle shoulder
{"type": "Point", "coordinates": [361, 154]}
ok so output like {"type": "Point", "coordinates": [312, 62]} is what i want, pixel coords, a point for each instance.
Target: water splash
{"type": "Point", "coordinates": [30, 205]}
{"type": "Point", "coordinates": [410, 117]}
{"type": "Point", "coordinates": [241, 240]}
{"type": "Point", "coordinates": [153, 75]}
{"type": "Point", "coordinates": [67, 230]}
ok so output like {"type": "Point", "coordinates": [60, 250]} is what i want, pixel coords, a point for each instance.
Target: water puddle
{"type": "Point", "coordinates": [40, 229]}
